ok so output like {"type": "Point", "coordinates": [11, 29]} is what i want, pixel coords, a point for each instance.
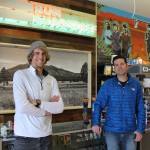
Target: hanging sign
{"type": "Point", "coordinates": [30, 14]}
{"type": "Point", "coordinates": [146, 69]}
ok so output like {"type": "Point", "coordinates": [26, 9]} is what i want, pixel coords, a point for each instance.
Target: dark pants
{"type": "Point", "coordinates": [27, 143]}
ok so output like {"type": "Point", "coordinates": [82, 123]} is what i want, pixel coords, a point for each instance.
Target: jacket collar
{"type": "Point", "coordinates": [33, 71]}
{"type": "Point", "coordinates": [129, 78]}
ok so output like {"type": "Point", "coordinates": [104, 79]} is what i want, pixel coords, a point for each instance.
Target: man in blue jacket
{"type": "Point", "coordinates": [125, 116]}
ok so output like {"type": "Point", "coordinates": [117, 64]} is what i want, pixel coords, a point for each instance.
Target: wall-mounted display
{"type": "Point", "coordinates": [119, 33]}
{"type": "Point", "coordinates": [71, 68]}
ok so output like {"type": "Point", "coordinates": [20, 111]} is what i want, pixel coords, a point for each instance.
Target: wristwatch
{"type": "Point", "coordinates": [38, 102]}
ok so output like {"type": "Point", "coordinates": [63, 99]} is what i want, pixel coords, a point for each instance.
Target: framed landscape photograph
{"type": "Point", "coordinates": [71, 68]}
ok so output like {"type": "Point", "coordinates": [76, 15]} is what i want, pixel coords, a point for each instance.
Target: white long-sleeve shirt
{"type": "Point", "coordinates": [31, 121]}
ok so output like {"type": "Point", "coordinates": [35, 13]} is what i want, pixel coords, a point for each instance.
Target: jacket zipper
{"type": "Point", "coordinates": [41, 85]}
{"type": "Point", "coordinates": [123, 91]}
{"type": "Point", "coordinates": [41, 82]}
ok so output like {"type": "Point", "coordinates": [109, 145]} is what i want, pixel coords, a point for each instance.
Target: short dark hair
{"type": "Point", "coordinates": [120, 57]}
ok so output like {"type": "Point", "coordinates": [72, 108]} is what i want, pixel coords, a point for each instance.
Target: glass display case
{"type": "Point", "coordinates": [75, 136]}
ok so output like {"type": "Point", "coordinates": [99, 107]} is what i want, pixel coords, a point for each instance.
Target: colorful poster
{"type": "Point", "coordinates": [118, 32]}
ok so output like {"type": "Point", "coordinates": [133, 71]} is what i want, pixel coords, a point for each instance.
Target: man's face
{"type": "Point", "coordinates": [125, 30]}
{"type": "Point", "coordinates": [120, 67]}
{"type": "Point", "coordinates": [107, 25]}
{"type": "Point", "coordinates": [39, 58]}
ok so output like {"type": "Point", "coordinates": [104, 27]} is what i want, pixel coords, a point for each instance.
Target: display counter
{"type": "Point", "coordinates": [76, 135]}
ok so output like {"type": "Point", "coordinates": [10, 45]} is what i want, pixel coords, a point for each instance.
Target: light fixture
{"type": "Point", "coordinates": [136, 24]}
{"type": "Point", "coordinates": [134, 8]}
{"type": "Point", "coordinates": [134, 18]}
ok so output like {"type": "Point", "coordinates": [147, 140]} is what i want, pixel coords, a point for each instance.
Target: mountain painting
{"type": "Point", "coordinates": [71, 68]}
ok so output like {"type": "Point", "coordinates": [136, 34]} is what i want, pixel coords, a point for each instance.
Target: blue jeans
{"type": "Point", "coordinates": [117, 141]}
{"type": "Point", "coordinates": [27, 143]}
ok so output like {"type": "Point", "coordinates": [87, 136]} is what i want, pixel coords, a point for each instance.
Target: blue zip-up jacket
{"type": "Point", "coordinates": [125, 106]}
